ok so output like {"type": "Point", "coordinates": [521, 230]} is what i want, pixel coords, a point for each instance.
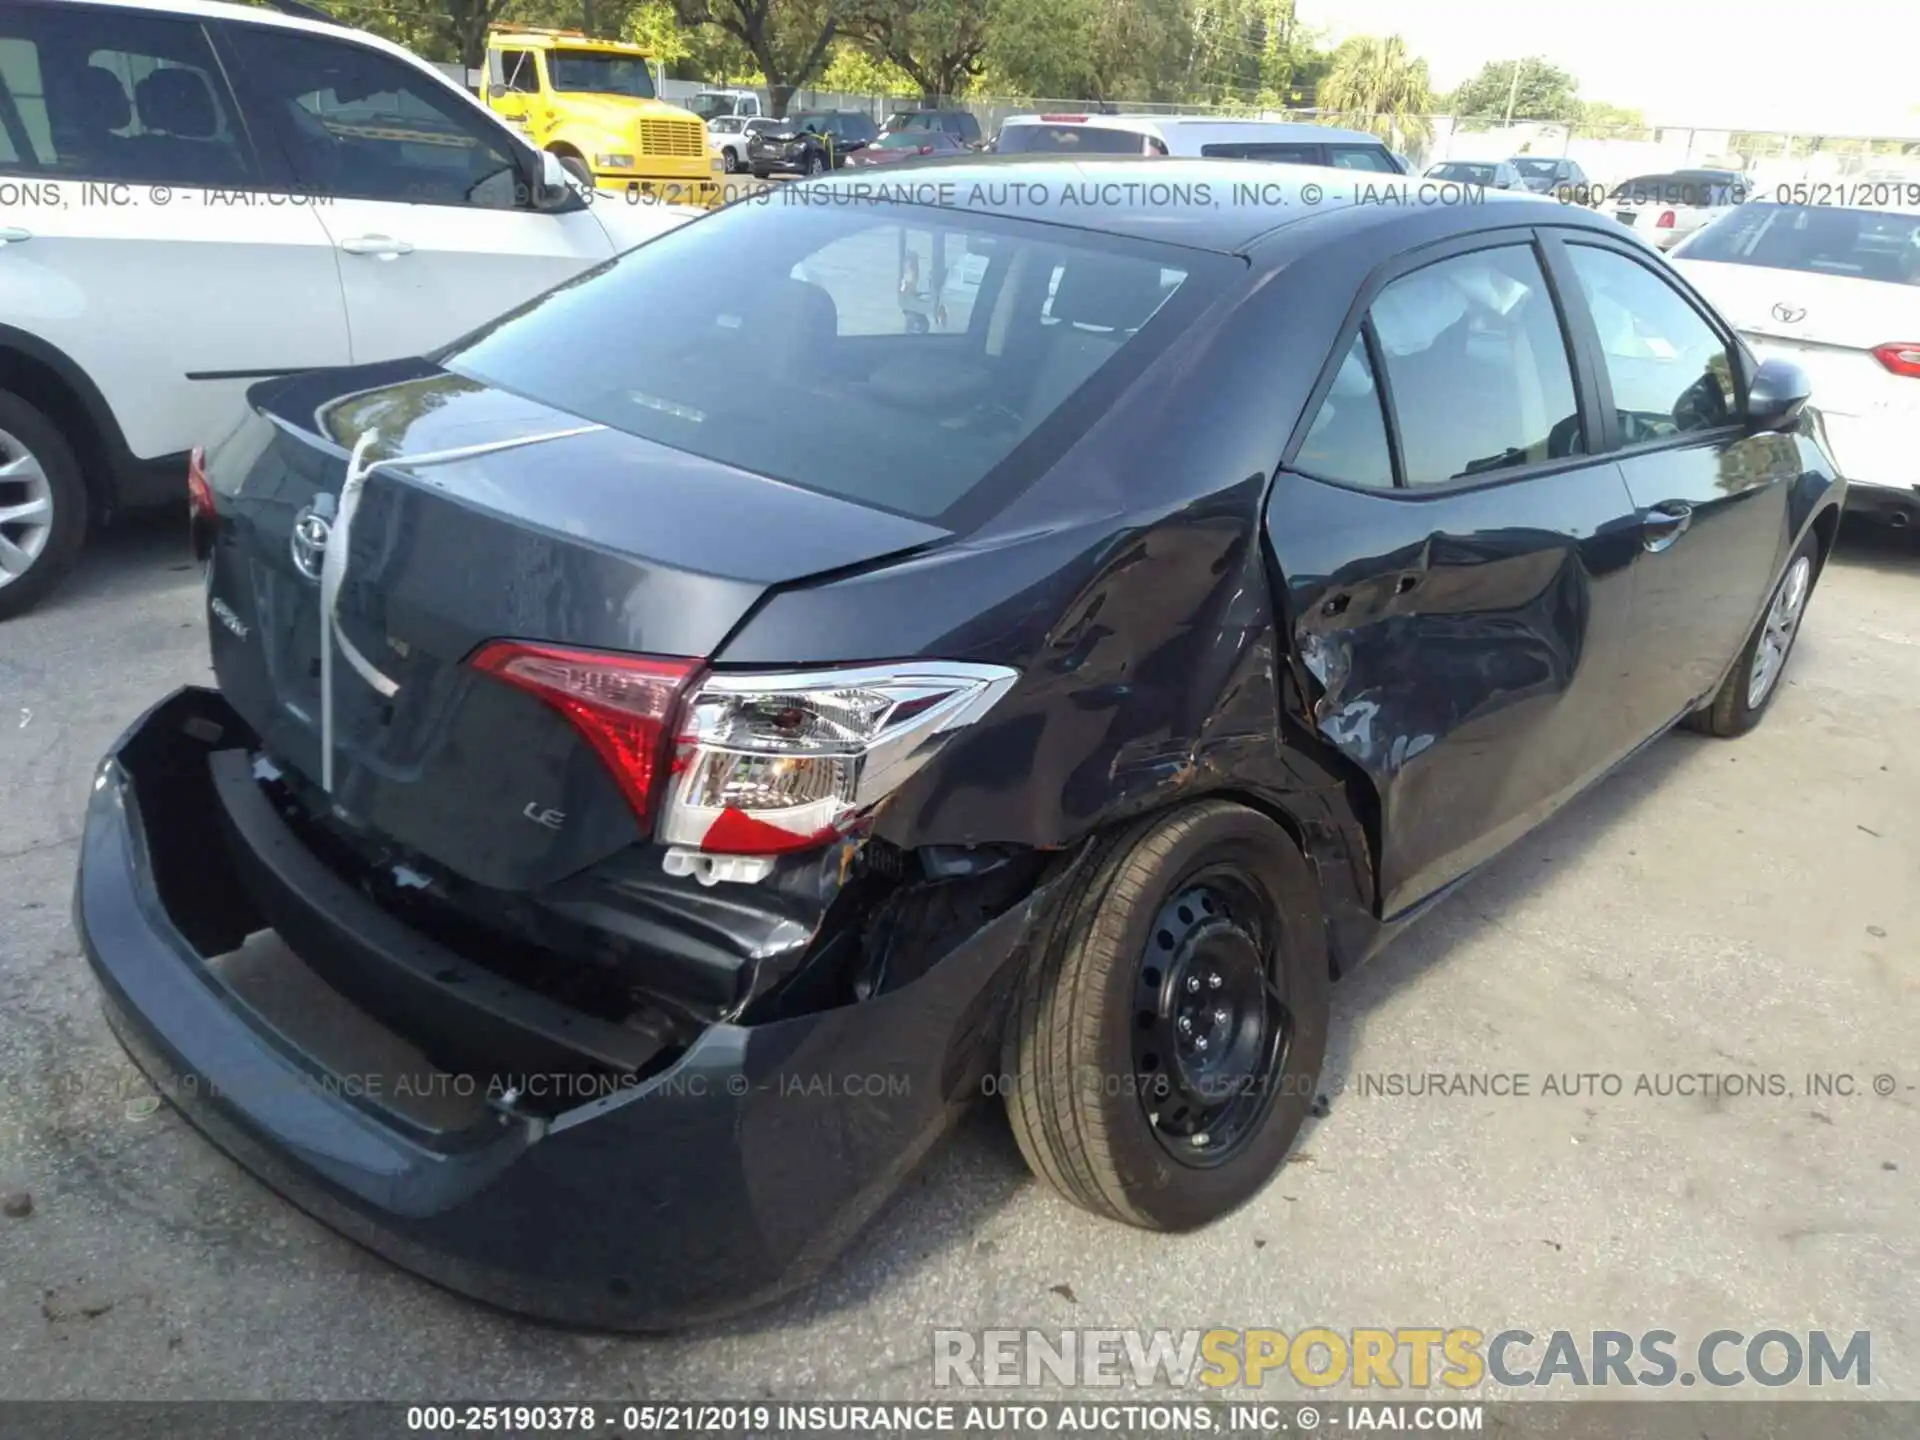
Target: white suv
{"type": "Point", "coordinates": [196, 196]}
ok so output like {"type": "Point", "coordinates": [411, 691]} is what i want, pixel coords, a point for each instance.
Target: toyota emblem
{"type": "Point", "coordinates": [1789, 314]}
{"type": "Point", "coordinates": [312, 528]}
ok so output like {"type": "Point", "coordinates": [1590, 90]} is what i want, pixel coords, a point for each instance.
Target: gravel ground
{"type": "Point", "coordinates": [1748, 907]}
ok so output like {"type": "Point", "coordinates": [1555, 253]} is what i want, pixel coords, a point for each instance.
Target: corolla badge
{"type": "Point", "coordinates": [1789, 314]}
{"type": "Point", "coordinates": [312, 528]}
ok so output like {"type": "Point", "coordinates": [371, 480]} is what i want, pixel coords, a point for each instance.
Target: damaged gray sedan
{"type": "Point", "coordinates": [1048, 705]}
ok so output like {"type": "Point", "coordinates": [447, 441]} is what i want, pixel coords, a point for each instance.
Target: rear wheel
{"type": "Point", "coordinates": [1172, 1019]}
{"type": "Point", "coordinates": [43, 506]}
{"type": "Point", "coordinates": [730, 161]}
{"type": "Point", "coordinates": [1743, 697]}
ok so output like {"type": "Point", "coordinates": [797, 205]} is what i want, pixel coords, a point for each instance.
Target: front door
{"type": "Point", "coordinates": [1458, 562]}
{"type": "Point", "coordinates": [1711, 497]}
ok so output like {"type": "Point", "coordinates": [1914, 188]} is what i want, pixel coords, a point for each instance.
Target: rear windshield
{"type": "Point", "coordinates": [1878, 245]}
{"type": "Point", "coordinates": [887, 353]}
{"type": "Point", "coordinates": [1069, 140]}
{"type": "Point", "coordinates": [1459, 170]}
{"type": "Point", "coordinates": [1538, 169]}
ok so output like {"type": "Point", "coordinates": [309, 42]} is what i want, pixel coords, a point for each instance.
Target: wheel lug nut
{"type": "Point", "coordinates": [1200, 1043]}
{"type": "Point", "coordinates": [1186, 1025]}
{"type": "Point", "coordinates": [1193, 982]}
{"type": "Point", "coordinates": [1219, 1017]}
{"type": "Point", "coordinates": [1213, 980]}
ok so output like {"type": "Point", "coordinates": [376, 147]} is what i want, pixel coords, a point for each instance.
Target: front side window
{"type": "Point", "coordinates": [808, 344]}
{"type": "Point", "coordinates": [1477, 365]}
{"type": "Point", "coordinates": [1274, 152]}
{"type": "Point", "coordinates": [103, 95]}
{"type": "Point", "coordinates": [1348, 439]}
{"type": "Point", "coordinates": [365, 126]}
{"type": "Point", "coordinates": [1670, 371]}
{"type": "Point", "coordinates": [583, 72]}
{"type": "Point", "coordinates": [519, 73]}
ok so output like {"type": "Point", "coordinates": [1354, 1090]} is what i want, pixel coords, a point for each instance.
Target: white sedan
{"type": "Point", "coordinates": [1667, 208]}
{"type": "Point", "coordinates": [1837, 291]}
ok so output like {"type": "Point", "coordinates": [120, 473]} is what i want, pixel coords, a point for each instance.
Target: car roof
{"type": "Point", "coordinates": [1271, 129]}
{"type": "Point", "coordinates": [1149, 197]}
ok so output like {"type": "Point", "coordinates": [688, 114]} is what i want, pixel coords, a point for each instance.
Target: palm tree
{"type": "Point", "coordinates": [1377, 79]}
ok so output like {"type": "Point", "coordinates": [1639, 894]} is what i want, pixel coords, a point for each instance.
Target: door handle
{"type": "Point", "coordinates": [13, 235]}
{"type": "Point", "coordinates": [1664, 524]}
{"type": "Point", "coordinates": [381, 247]}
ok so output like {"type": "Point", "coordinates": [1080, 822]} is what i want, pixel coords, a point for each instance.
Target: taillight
{"type": "Point", "coordinates": [202, 514]}
{"type": "Point", "coordinates": [621, 704]}
{"type": "Point", "coordinates": [1666, 221]}
{"type": "Point", "coordinates": [1902, 357]}
{"type": "Point", "coordinates": [199, 493]}
{"type": "Point", "coordinates": [768, 764]}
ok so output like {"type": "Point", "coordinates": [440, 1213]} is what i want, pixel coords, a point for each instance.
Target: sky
{"type": "Point", "coordinates": [1838, 66]}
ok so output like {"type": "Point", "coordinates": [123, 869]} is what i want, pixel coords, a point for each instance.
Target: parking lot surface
{"type": "Point", "coordinates": [1746, 908]}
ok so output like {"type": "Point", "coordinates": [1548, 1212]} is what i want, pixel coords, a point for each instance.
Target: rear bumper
{"type": "Point", "coordinates": [713, 1185]}
{"type": "Point", "coordinates": [1876, 454]}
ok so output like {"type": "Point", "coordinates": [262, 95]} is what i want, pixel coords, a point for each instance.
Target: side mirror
{"type": "Point", "coordinates": [560, 189]}
{"type": "Point", "coordinates": [1779, 392]}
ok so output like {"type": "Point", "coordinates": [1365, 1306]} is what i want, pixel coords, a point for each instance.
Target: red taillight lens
{"type": "Point", "coordinates": [1902, 357]}
{"type": "Point", "coordinates": [621, 704]}
{"type": "Point", "coordinates": [203, 516]}
{"type": "Point", "coordinates": [199, 493]}
{"type": "Point", "coordinates": [1666, 221]}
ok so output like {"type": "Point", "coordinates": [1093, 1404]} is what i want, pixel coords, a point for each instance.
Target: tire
{"type": "Point", "coordinates": [43, 506]}
{"type": "Point", "coordinates": [816, 165]}
{"type": "Point", "coordinates": [576, 167]}
{"type": "Point", "coordinates": [730, 161]}
{"type": "Point", "coordinates": [1079, 1058]}
{"type": "Point", "coordinates": [1742, 697]}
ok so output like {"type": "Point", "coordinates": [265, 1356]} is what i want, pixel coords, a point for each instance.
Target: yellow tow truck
{"type": "Point", "coordinates": [593, 104]}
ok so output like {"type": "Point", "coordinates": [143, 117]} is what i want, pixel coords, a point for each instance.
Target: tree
{"type": "Point", "coordinates": [1616, 122]}
{"type": "Point", "coordinates": [1545, 92]}
{"type": "Point", "coordinates": [1376, 82]}
{"type": "Point", "coordinates": [940, 43]}
{"type": "Point", "coordinates": [787, 39]}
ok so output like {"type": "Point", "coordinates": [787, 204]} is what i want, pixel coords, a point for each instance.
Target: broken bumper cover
{"type": "Point", "coordinates": [732, 1175]}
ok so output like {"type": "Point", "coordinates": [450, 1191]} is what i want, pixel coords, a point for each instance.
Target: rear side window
{"type": "Point", "coordinates": [1069, 140]}
{"type": "Point", "coordinates": [1275, 152]}
{"type": "Point", "coordinates": [1882, 245]}
{"type": "Point", "coordinates": [365, 126]}
{"type": "Point", "coordinates": [111, 95]}
{"type": "Point", "coordinates": [808, 344]}
{"type": "Point", "coordinates": [1348, 439]}
{"type": "Point", "coordinates": [1361, 157]}
{"type": "Point", "coordinates": [1670, 371]}
{"type": "Point", "coordinates": [1477, 365]}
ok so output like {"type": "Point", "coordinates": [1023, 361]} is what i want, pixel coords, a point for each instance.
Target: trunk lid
{"type": "Point", "coordinates": [1826, 324]}
{"type": "Point", "coordinates": [538, 527]}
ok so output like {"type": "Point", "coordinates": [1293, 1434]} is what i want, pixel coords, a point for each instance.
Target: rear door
{"type": "Point", "coordinates": [427, 197]}
{"type": "Point", "coordinates": [1712, 498]}
{"type": "Point", "coordinates": [1458, 558]}
{"type": "Point", "coordinates": [144, 234]}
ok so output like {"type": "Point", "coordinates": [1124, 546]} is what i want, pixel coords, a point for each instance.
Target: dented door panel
{"type": "Point", "coordinates": [1462, 650]}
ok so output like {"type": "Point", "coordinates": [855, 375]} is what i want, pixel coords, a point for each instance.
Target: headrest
{"type": "Point", "coordinates": [177, 101]}
{"type": "Point", "coordinates": [1109, 291]}
{"type": "Point", "coordinates": [99, 101]}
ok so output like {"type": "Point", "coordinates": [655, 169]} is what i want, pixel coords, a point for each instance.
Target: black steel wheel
{"type": "Point", "coordinates": [1166, 1042]}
